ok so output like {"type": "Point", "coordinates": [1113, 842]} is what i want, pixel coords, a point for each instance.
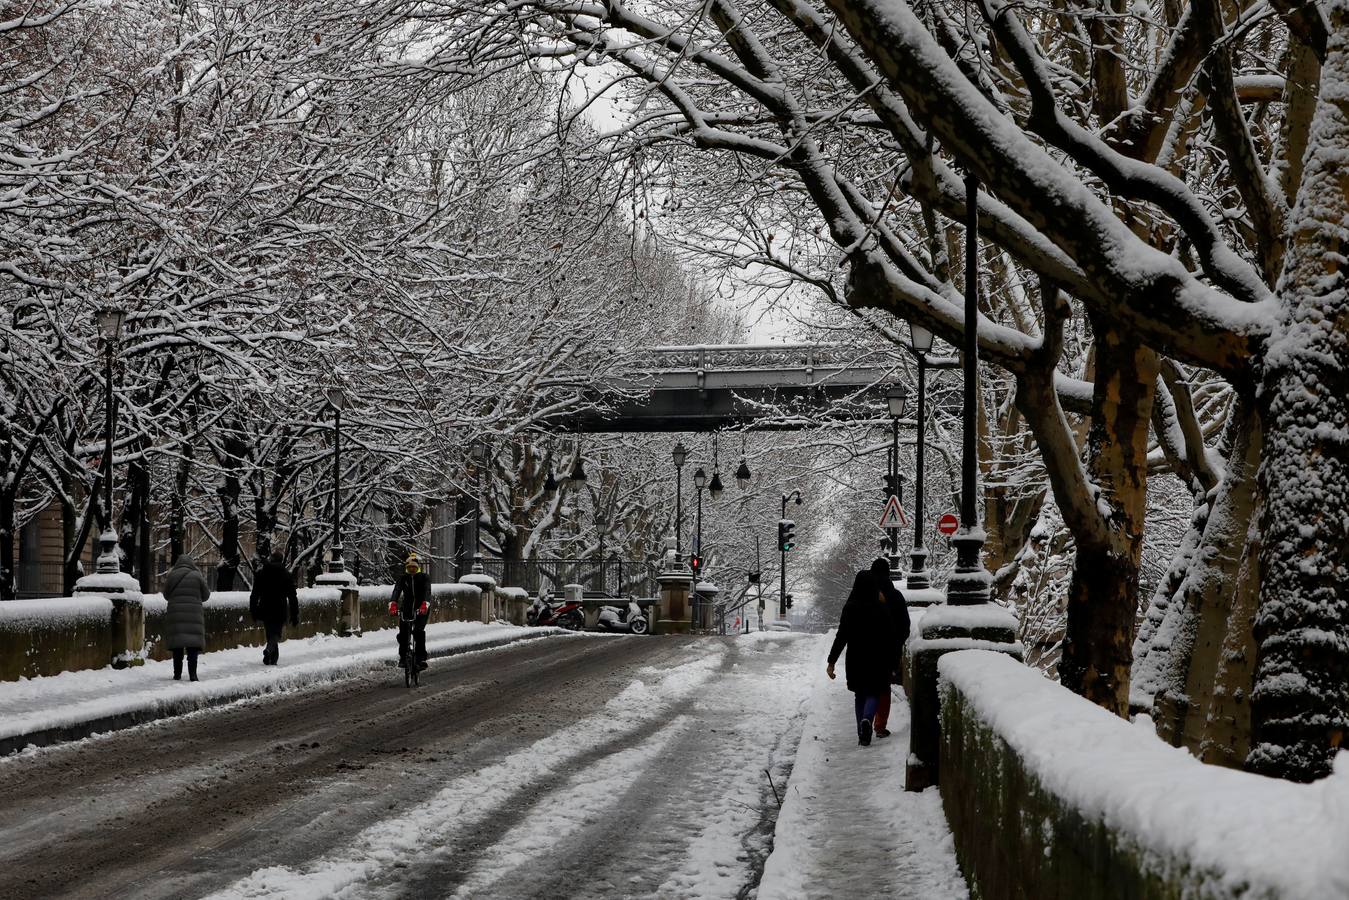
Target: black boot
{"type": "Point", "coordinates": [864, 732]}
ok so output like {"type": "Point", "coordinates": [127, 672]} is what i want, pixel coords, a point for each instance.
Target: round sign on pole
{"type": "Point", "coordinates": [948, 524]}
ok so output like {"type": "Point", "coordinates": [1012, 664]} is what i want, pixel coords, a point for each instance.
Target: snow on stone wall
{"type": "Point", "coordinates": [54, 612]}
{"type": "Point", "coordinates": [1052, 792]}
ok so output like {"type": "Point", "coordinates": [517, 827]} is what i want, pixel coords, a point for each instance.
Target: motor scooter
{"type": "Point", "coordinates": [563, 614]}
{"type": "Point", "coordinates": [629, 620]}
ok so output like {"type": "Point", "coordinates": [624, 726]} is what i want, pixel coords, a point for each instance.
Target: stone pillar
{"type": "Point", "coordinates": [486, 586]}
{"type": "Point", "coordinates": [707, 606]}
{"type": "Point", "coordinates": [942, 629]}
{"type": "Point", "coordinates": [349, 600]}
{"type": "Point", "coordinates": [127, 620]}
{"type": "Point", "coordinates": [675, 582]}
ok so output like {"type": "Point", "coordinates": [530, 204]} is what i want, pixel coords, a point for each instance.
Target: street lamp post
{"type": "Point", "coordinates": [969, 583]}
{"type": "Point", "coordinates": [699, 482]}
{"type": "Point", "coordinates": [338, 401]}
{"type": "Point", "coordinates": [920, 343]}
{"type": "Point", "coordinates": [782, 569]}
{"type": "Point", "coordinates": [895, 399]}
{"type": "Point", "coordinates": [679, 454]}
{"type": "Point", "coordinates": [110, 319]}
{"type": "Point", "coordinates": [478, 454]}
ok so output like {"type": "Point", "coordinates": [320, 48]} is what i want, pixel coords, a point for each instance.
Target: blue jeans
{"type": "Point", "coordinates": [866, 706]}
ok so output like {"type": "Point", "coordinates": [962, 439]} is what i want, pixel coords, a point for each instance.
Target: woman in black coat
{"type": "Point", "coordinates": [868, 631]}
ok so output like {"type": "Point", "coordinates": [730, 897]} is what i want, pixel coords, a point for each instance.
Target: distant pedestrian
{"type": "Point", "coordinates": [185, 591]}
{"type": "Point", "coordinates": [899, 617]}
{"type": "Point", "coordinates": [867, 631]}
{"type": "Point", "coordinates": [273, 598]}
{"type": "Point", "coordinates": [412, 592]}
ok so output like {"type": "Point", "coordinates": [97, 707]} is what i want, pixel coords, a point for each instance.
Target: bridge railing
{"type": "Point", "coordinates": [723, 357]}
{"type": "Point", "coordinates": [617, 577]}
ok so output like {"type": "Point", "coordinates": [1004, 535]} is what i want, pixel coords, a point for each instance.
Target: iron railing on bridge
{"type": "Point", "coordinates": [616, 577]}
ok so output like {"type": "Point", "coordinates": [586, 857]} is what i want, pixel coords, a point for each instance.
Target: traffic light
{"type": "Point", "coordinates": [786, 534]}
{"type": "Point", "coordinates": [695, 562]}
{"type": "Point", "coordinates": [789, 601]}
{"type": "Point", "coordinates": [754, 577]}
{"type": "Point", "coordinates": [891, 485]}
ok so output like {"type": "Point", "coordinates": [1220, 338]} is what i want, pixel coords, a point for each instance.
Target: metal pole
{"type": "Point", "coordinates": [337, 480]}
{"type": "Point", "coordinates": [695, 613]}
{"type": "Point", "coordinates": [679, 514]}
{"type": "Point", "coordinates": [894, 451]}
{"type": "Point", "coordinates": [918, 558]}
{"type": "Point", "coordinates": [107, 438]}
{"type": "Point", "coordinates": [782, 574]}
{"type": "Point", "coordinates": [969, 583]}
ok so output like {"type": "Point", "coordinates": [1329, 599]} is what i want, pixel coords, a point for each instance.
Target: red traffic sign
{"type": "Point", "coordinates": [948, 524]}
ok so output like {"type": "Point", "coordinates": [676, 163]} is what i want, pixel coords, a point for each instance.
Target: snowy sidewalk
{"type": "Point", "coordinates": [847, 827]}
{"type": "Point", "coordinates": [72, 705]}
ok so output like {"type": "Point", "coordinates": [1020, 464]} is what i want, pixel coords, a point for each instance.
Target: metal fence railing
{"type": "Point", "coordinates": [615, 577]}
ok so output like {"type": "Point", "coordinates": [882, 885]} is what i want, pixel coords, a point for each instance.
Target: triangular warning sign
{"type": "Point", "coordinates": [893, 517]}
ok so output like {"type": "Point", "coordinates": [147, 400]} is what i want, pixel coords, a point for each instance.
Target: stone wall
{"type": "Point", "coordinates": [50, 636]}
{"type": "Point", "coordinates": [1052, 798]}
{"type": "Point", "coordinates": [38, 638]}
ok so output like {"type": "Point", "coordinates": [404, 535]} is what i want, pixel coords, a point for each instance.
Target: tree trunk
{"type": "Point", "coordinates": [1207, 598]}
{"type": "Point", "coordinates": [7, 529]}
{"type": "Point", "coordinates": [1300, 703]}
{"type": "Point", "coordinates": [1103, 593]}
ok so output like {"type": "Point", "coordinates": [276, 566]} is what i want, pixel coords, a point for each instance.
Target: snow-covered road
{"type": "Point", "coordinates": [578, 766]}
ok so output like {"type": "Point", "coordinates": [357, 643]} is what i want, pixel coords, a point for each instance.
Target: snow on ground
{"type": "Point", "coordinates": [847, 827]}
{"type": "Point", "coordinates": [32, 705]}
{"type": "Point", "coordinates": [392, 845]}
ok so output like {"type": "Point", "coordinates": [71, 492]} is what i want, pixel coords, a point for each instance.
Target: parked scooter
{"type": "Point", "coordinates": [563, 614]}
{"type": "Point", "coordinates": [631, 620]}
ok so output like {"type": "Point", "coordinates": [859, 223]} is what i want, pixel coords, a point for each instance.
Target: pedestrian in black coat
{"type": "Point", "coordinates": [899, 616]}
{"type": "Point", "coordinates": [867, 630]}
{"type": "Point", "coordinates": [272, 598]}
{"type": "Point", "coordinates": [412, 595]}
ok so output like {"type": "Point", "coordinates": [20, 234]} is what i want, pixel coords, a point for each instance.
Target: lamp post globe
{"type": "Point", "coordinates": [920, 338]}
{"type": "Point", "coordinates": [897, 397]}
{"type": "Point", "coordinates": [715, 489]}
{"type": "Point", "coordinates": [110, 319]}
{"type": "Point", "coordinates": [700, 479]}
{"type": "Point", "coordinates": [679, 454]}
{"type": "Point", "coordinates": [742, 475]}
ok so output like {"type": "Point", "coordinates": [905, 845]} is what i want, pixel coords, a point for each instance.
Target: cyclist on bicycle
{"type": "Point", "coordinates": [411, 602]}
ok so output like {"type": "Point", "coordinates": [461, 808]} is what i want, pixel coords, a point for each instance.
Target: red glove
{"type": "Point", "coordinates": [424, 608]}
{"type": "Point", "coordinates": [393, 608]}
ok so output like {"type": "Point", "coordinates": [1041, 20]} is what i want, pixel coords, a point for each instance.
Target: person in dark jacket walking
{"type": "Point", "coordinates": [272, 599]}
{"type": "Point", "coordinates": [899, 616]}
{"type": "Point", "coordinates": [185, 591]}
{"type": "Point", "coordinates": [867, 631]}
{"type": "Point", "coordinates": [412, 592]}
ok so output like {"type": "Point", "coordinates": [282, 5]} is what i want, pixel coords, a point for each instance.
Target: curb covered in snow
{"type": "Point", "coordinates": [223, 692]}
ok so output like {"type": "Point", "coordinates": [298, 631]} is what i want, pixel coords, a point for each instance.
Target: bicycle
{"type": "Point", "coordinates": [407, 658]}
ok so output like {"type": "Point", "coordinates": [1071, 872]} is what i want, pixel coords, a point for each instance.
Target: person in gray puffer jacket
{"type": "Point", "coordinates": [185, 622]}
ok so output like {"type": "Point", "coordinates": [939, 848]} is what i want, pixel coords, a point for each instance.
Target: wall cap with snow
{"type": "Point", "coordinates": [1052, 796]}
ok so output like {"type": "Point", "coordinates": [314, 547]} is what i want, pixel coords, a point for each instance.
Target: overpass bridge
{"type": "Point", "coordinates": [783, 387]}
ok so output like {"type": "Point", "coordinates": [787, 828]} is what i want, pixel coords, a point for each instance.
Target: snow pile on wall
{"type": "Point", "coordinates": [1052, 792]}
{"type": "Point", "coordinates": [54, 612]}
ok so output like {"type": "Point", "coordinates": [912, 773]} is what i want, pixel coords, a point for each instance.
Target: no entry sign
{"type": "Point", "coordinates": [948, 524]}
